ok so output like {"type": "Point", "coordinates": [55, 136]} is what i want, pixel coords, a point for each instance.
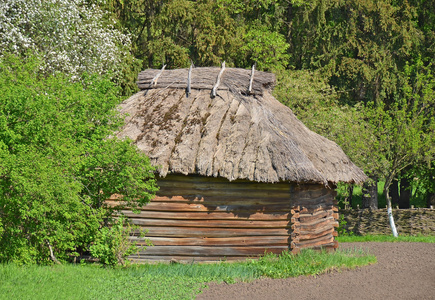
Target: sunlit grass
{"type": "Point", "coordinates": [387, 238]}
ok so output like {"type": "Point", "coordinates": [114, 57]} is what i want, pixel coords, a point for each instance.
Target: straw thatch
{"type": "Point", "coordinates": [235, 135]}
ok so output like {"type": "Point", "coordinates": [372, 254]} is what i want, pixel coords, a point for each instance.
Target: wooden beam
{"type": "Point", "coordinates": [218, 81]}
{"type": "Point", "coordinates": [192, 192]}
{"type": "Point", "coordinates": [211, 251]}
{"type": "Point", "coordinates": [251, 79]}
{"type": "Point", "coordinates": [189, 259]}
{"type": "Point", "coordinates": [210, 223]}
{"type": "Point", "coordinates": [213, 232]}
{"type": "Point", "coordinates": [267, 216]}
{"type": "Point", "coordinates": [190, 207]}
{"type": "Point", "coordinates": [155, 79]}
{"type": "Point", "coordinates": [189, 78]}
{"type": "Point", "coordinates": [223, 241]}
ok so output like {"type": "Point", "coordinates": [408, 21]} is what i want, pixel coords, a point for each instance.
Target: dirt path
{"type": "Point", "coordinates": [404, 271]}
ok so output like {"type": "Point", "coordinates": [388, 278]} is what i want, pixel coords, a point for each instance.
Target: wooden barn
{"type": "Point", "coordinates": [239, 174]}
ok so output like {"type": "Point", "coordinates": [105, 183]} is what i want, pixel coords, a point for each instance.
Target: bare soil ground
{"type": "Point", "coordinates": [403, 271]}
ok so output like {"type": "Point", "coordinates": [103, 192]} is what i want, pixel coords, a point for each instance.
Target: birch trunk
{"type": "Point", "coordinates": [389, 206]}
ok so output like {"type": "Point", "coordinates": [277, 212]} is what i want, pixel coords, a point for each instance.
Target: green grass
{"type": "Point", "coordinates": [386, 238]}
{"type": "Point", "coordinates": [162, 281]}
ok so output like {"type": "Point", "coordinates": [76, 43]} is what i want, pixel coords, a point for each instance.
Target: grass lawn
{"type": "Point", "coordinates": [161, 281]}
{"type": "Point", "coordinates": [387, 238]}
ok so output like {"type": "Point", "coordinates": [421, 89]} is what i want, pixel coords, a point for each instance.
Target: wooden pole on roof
{"type": "Point", "coordinates": [218, 81]}
{"type": "Point", "coordinates": [154, 81]}
{"type": "Point", "coordinates": [252, 79]}
{"type": "Point", "coordinates": [189, 78]}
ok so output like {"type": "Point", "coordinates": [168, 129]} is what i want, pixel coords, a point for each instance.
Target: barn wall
{"type": "Point", "coordinates": [195, 218]}
{"type": "Point", "coordinates": [316, 219]}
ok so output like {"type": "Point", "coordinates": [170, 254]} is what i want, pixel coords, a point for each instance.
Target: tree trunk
{"type": "Point", "coordinates": [349, 194]}
{"type": "Point", "coordinates": [430, 199]}
{"type": "Point", "coordinates": [370, 194]}
{"type": "Point", "coordinates": [394, 192]}
{"type": "Point", "coordinates": [389, 208]}
{"type": "Point", "coordinates": [405, 193]}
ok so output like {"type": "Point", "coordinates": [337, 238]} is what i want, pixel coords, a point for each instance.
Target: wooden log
{"type": "Point", "coordinates": [189, 77]}
{"type": "Point", "coordinates": [327, 246]}
{"type": "Point", "coordinates": [307, 217]}
{"type": "Point", "coordinates": [210, 223]}
{"type": "Point", "coordinates": [251, 80]}
{"type": "Point", "coordinates": [305, 236]}
{"type": "Point", "coordinates": [181, 84]}
{"type": "Point", "coordinates": [315, 242]}
{"type": "Point", "coordinates": [188, 207]}
{"type": "Point", "coordinates": [180, 181]}
{"type": "Point", "coordinates": [320, 201]}
{"type": "Point", "coordinates": [210, 251]}
{"type": "Point", "coordinates": [316, 209]}
{"type": "Point", "coordinates": [229, 191]}
{"type": "Point", "coordinates": [318, 222]}
{"type": "Point", "coordinates": [155, 79]}
{"type": "Point", "coordinates": [206, 215]}
{"type": "Point", "coordinates": [213, 232]}
{"type": "Point", "coordinates": [218, 81]}
{"type": "Point", "coordinates": [327, 226]}
{"type": "Point", "coordinates": [214, 197]}
{"type": "Point", "coordinates": [224, 241]}
{"type": "Point", "coordinates": [236, 78]}
{"type": "Point", "coordinates": [189, 259]}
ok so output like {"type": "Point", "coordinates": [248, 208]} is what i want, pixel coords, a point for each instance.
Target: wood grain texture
{"type": "Point", "coordinates": [211, 251]}
{"type": "Point", "coordinates": [204, 217]}
{"type": "Point", "coordinates": [223, 241]}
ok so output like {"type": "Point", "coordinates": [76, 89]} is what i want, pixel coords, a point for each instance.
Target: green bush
{"type": "Point", "coordinates": [59, 163]}
{"type": "Point", "coordinates": [112, 245]}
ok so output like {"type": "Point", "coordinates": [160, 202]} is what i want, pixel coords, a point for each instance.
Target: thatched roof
{"type": "Point", "coordinates": [236, 135]}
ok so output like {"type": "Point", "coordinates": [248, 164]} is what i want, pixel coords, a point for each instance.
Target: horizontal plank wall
{"type": "Point", "coordinates": [196, 218]}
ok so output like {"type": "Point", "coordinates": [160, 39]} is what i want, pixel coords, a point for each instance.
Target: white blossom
{"type": "Point", "coordinates": [73, 36]}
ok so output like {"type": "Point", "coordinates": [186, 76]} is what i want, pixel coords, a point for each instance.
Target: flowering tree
{"type": "Point", "coordinates": [71, 36]}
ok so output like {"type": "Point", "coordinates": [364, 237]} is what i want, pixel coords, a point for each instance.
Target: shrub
{"type": "Point", "coordinates": [58, 163]}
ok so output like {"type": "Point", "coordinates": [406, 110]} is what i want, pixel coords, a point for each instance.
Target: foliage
{"type": "Point", "coordinates": [58, 162]}
{"type": "Point", "coordinates": [359, 44]}
{"type": "Point", "coordinates": [405, 129]}
{"type": "Point", "coordinates": [266, 49]}
{"type": "Point", "coordinates": [72, 37]}
{"type": "Point", "coordinates": [341, 230]}
{"type": "Point", "coordinates": [316, 104]}
{"type": "Point", "coordinates": [112, 245]}
{"type": "Point", "coordinates": [163, 281]}
{"type": "Point", "coordinates": [206, 32]}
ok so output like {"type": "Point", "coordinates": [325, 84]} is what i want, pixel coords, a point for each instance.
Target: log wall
{"type": "Point", "coordinates": [195, 218]}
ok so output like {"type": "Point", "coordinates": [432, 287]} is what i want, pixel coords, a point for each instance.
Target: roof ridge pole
{"type": "Point", "coordinates": [189, 77]}
{"type": "Point", "coordinates": [218, 81]}
{"type": "Point", "coordinates": [154, 81]}
{"type": "Point", "coordinates": [251, 80]}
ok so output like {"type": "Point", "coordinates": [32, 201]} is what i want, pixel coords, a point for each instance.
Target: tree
{"type": "Point", "coordinates": [361, 45]}
{"type": "Point", "coordinates": [72, 37]}
{"type": "Point", "coordinates": [177, 32]}
{"type": "Point", "coordinates": [405, 131]}
{"type": "Point", "coordinates": [370, 194]}
{"type": "Point", "coordinates": [59, 161]}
